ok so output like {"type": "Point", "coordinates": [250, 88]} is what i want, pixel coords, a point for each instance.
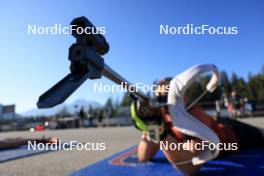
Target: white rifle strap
{"type": "Point", "coordinates": [184, 121]}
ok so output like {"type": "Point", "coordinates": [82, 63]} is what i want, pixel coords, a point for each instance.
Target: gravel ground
{"type": "Point", "coordinates": [256, 121]}
{"type": "Point", "coordinates": [65, 162]}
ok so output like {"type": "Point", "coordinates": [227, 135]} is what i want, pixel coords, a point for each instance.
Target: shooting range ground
{"type": "Point", "coordinates": [65, 162]}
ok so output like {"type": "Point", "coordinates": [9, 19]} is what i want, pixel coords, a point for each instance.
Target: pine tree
{"type": "Point", "coordinates": [126, 100]}
{"type": "Point", "coordinates": [225, 83]}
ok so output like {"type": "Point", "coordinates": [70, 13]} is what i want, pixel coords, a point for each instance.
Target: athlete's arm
{"type": "Point", "coordinates": [147, 119]}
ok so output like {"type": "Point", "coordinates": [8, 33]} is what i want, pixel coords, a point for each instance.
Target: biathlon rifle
{"type": "Point", "coordinates": [87, 62]}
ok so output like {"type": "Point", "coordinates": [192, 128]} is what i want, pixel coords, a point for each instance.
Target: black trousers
{"type": "Point", "coordinates": [248, 136]}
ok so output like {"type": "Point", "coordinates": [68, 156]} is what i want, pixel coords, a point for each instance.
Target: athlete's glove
{"type": "Point", "coordinates": [148, 120]}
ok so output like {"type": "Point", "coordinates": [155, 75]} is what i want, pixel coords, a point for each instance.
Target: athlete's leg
{"type": "Point", "coordinates": [248, 136]}
{"type": "Point", "coordinates": [17, 142]}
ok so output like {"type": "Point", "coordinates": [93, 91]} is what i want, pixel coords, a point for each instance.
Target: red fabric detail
{"type": "Point", "coordinates": [225, 134]}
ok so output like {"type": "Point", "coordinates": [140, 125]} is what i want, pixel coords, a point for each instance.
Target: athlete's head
{"type": "Point", "coordinates": [162, 89]}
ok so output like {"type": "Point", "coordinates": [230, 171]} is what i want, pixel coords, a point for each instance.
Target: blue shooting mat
{"type": "Point", "coordinates": [20, 152]}
{"type": "Point", "coordinates": [125, 163]}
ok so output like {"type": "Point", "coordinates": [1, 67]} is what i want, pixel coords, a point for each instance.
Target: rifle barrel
{"type": "Point", "coordinates": [118, 79]}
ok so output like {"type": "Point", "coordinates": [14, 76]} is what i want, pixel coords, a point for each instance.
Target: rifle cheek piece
{"type": "Point", "coordinates": [90, 38]}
